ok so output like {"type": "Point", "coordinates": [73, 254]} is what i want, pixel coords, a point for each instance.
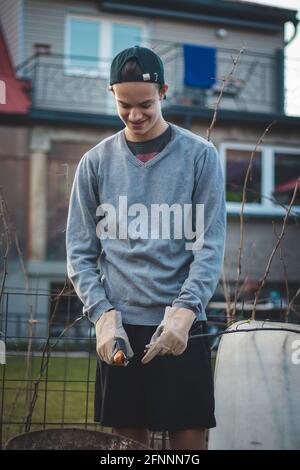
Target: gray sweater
{"type": "Point", "coordinates": [142, 223]}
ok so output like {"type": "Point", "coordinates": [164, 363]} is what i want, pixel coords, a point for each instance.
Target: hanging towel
{"type": "Point", "coordinates": [199, 66]}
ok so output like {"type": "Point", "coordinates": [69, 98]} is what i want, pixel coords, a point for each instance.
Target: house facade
{"type": "Point", "coordinates": [59, 54]}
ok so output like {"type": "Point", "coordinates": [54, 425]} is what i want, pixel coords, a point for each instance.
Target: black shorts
{"type": "Point", "coordinates": [170, 393]}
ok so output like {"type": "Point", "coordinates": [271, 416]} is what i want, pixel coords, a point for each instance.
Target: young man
{"type": "Point", "coordinates": [158, 271]}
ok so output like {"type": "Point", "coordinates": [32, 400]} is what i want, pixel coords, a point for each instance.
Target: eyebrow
{"type": "Point", "coordinates": [139, 104]}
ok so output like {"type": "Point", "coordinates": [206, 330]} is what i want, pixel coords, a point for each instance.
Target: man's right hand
{"type": "Point", "coordinates": [109, 329]}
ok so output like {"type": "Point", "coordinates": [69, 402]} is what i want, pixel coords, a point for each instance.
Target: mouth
{"type": "Point", "coordinates": [137, 125]}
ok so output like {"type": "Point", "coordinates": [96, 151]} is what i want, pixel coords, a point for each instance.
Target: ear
{"type": "Point", "coordinates": [163, 90]}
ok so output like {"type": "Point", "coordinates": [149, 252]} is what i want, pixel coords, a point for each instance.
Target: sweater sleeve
{"type": "Point", "coordinates": [204, 271]}
{"type": "Point", "coordinates": [82, 243]}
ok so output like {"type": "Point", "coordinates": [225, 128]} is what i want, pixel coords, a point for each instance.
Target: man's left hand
{"type": "Point", "coordinates": [171, 335]}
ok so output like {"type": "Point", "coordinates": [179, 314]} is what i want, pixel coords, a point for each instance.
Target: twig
{"type": "Point", "coordinates": [274, 250]}
{"type": "Point", "coordinates": [226, 295]}
{"type": "Point", "coordinates": [7, 239]}
{"type": "Point", "coordinates": [240, 250]}
{"type": "Point", "coordinates": [251, 258]}
{"type": "Point", "coordinates": [285, 277]}
{"type": "Point", "coordinates": [224, 81]}
{"type": "Point", "coordinates": [293, 299]}
{"type": "Point", "coordinates": [31, 321]}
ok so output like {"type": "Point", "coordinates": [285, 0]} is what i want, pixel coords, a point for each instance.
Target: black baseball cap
{"type": "Point", "coordinates": [150, 63]}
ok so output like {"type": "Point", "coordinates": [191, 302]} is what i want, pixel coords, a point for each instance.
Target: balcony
{"type": "Point", "coordinates": [80, 84]}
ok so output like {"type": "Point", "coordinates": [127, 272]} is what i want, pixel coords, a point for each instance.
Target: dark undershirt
{"type": "Point", "coordinates": [147, 149]}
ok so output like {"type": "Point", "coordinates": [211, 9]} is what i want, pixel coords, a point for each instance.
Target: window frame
{"type": "Point", "coordinates": [105, 46]}
{"type": "Point", "coordinates": [266, 207]}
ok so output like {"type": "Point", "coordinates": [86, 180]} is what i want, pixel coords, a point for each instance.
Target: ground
{"type": "Point", "coordinates": [66, 394]}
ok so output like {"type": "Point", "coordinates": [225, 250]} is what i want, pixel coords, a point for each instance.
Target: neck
{"type": "Point", "coordinates": [154, 132]}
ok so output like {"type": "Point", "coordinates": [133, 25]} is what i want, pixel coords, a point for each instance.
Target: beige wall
{"type": "Point", "coordinates": [180, 31]}
{"type": "Point", "coordinates": [259, 241]}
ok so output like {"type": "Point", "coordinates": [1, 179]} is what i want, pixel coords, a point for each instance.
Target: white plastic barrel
{"type": "Point", "coordinates": [257, 388]}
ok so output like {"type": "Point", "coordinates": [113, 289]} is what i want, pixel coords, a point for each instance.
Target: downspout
{"type": "Point", "coordinates": [280, 63]}
{"type": "Point", "coordinates": [295, 23]}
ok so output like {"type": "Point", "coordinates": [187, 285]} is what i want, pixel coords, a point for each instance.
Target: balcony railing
{"type": "Point", "coordinates": [80, 84]}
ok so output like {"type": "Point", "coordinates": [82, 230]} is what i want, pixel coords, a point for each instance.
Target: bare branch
{"type": "Point", "coordinates": [285, 277]}
{"type": "Point", "coordinates": [279, 239]}
{"type": "Point", "coordinates": [226, 295]}
{"type": "Point", "coordinates": [224, 81]}
{"type": "Point", "coordinates": [240, 250]}
{"type": "Point", "coordinates": [7, 240]}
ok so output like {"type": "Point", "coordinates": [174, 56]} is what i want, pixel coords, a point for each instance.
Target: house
{"type": "Point", "coordinates": [57, 56]}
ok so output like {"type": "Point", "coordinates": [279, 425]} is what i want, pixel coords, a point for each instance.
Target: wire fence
{"type": "Point", "coordinates": [48, 366]}
{"type": "Point", "coordinates": [49, 369]}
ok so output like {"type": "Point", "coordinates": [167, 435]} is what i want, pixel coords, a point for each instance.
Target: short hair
{"type": "Point", "coordinates": [131, 70]}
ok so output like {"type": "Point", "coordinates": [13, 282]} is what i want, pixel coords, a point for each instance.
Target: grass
{"type": "Point", "coordinates": [66, 394]}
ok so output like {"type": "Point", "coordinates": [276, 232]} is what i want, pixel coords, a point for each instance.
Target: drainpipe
{"type": "Point", "coordinates": [280, 93]}
{"type": "Point", "coordinates": [295, 23]}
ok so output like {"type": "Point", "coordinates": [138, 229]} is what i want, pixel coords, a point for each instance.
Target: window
{"type": "Point", "coordinates": [287, 171]}
{"type": "Point", "coordinates": [271, 182]}
{"type": "Point", "coordinates": [237, 162]}
{"type": "Point", "coordinates": [91, 43]}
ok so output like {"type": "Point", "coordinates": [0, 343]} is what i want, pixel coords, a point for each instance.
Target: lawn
{"type": "Point", "coordinates": [66, 394]}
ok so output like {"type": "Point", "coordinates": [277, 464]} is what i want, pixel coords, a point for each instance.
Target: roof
{"type": "Point", "coordinates": [209, 9]}
{"type": "Point", "coordinates": [13, 89]}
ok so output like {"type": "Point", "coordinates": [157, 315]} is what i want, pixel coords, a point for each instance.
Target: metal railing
{"type": "Point", "coordinates": [80, 84]}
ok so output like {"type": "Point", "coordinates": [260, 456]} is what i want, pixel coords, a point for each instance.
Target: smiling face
{"type": "Point", "coordinates": [139, 107]}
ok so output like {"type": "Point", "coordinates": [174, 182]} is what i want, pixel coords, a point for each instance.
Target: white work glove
{"type": "Point", "coordinates": [110, 334]}
{"type": "Point", "coordinates": [171, 335]}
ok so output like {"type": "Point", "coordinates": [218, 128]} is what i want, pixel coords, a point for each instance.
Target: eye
{"type": "Point", "coordinates": [146, 106]}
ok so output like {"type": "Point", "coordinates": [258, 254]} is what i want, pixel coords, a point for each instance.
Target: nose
{"type": "Point", "coordinates": [135, 115]}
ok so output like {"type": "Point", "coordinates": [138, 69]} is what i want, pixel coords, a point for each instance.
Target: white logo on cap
{"type": "Point", "coordinates": [156, 76]}
{"type": "Point", "coordinates": [146, 76]}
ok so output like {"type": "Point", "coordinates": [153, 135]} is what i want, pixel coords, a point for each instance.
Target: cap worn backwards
{"type": "Point", "coordinates": [149, 62]}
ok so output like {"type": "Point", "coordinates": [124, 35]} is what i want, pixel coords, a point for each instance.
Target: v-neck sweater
{"type": "Point", "coordinates": [140, 273]}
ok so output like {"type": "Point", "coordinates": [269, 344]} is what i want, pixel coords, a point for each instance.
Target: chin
{"type": "Point", "coordinates": [140, 131]}
{"type": "Point", "coordinates": [143, 129]}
